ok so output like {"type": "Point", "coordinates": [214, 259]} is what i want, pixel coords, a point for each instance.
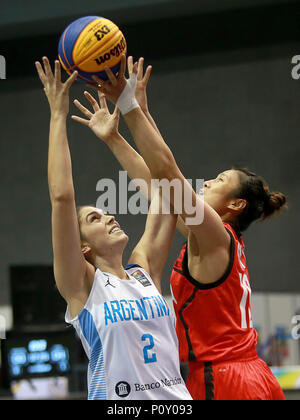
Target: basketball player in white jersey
{"type": "Point", "coordinates": [124, 323]}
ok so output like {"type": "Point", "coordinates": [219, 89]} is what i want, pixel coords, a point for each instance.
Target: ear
{"type": "Point", "coordinates": [237, 205]}
{"type": "Point", "coordinates": [85, 249]}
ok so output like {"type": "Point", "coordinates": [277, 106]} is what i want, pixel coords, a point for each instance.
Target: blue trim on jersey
{"type": "Point", "coordinates": [97, 385]}
{"type": "Point", "coordinates": [128, 266]}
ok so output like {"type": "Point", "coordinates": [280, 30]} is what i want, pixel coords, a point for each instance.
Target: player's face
{"type": "Point", "coordinates": [100, 230]}
{"type": "Point", "coordinates": [219, 191]}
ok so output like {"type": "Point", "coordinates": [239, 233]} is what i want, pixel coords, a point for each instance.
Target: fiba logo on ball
{"type": "Point", "coordinates": [122, 389]}
{"type": "Point", "coordinates": [88, 45]}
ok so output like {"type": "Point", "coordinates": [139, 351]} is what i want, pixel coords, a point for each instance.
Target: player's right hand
{"type": "Point", "coordinates": [56, 91]}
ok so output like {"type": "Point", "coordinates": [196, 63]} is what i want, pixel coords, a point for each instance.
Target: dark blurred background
{"type": "Point", "coordinates": [221, 92]}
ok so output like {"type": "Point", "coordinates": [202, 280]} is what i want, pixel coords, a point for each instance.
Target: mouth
{"type": "Point", "coordinates": [115, 229]}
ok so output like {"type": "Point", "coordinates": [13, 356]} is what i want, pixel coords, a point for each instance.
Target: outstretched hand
{"type": "Point", "coordinates": [142, 81]}
{"type": "Point", "coordinates": [57, 92]}
{"type": "Point", "coordinates": [114, 86]}
{"type": "Point", "coordinates": [101, 122]}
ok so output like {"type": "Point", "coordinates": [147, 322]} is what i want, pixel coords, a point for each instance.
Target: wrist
{"type": "Point", "coordinates": [58, 116]}
{"type": "Point", "coordinates": [127, 104]}
{"type": "Point", "coordinates": [127, 100]}
{"type": "Point", "coordinates": [113, 139]}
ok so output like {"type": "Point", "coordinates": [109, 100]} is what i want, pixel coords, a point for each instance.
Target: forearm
{"type": "Point", "coordinates": [59, 160]}
{"type": "Point", "coordinates": [180, 225]}
{"type": "Point", "coordinates": [156, 154]}
{"type": "Point", "coordinates": [158, 157]}
{"type": "Point", "coordinates": [129, 159]}
{"type": "Point", "coordinates": [136, 168]}
{"type": "Point", "coordinates": [150, 119]}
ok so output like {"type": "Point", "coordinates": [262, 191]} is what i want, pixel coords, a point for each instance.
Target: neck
{"type": "Point", "coordinates": [232, 221]}
{"type": "Point", "coordinates": [227, 218]}
{"type": "Point", "coordinates": [111, 265]}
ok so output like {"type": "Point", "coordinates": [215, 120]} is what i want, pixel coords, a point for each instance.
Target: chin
{"type": "Point", "coordinates": [123, 237]}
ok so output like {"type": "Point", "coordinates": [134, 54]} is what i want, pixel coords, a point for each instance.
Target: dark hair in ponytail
{"type": "Point", "coordinates": [261, 202]}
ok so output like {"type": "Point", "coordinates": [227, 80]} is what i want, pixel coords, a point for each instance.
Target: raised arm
{"type": "Point", "coordinates": [208, 239]}
{"type": "Point", "coordinates": [206, 230]}
{"type": "Point", "coordinates": [71, 270]}
{"type": "Point", "coordinates": [127, 156]}
{"type": "Point", "coordinates": [152, 250]}
{"type": "Point", "coordinates": [130, 160]}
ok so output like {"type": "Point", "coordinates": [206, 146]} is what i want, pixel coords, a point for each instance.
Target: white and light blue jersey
{"type": "Point", "coordinates": [128, 333]}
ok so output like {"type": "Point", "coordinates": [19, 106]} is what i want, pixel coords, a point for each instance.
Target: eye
{"type": "Point", "coordinates": [94, 217]}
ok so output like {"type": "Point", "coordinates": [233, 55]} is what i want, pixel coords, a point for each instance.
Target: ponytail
{"type": "Point", "coordinates": [274, 202]}
{"type": "Point", "coordinates": [261, 203]}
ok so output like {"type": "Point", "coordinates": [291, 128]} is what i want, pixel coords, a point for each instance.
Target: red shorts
{"type": "Point", "coordinates": [242, 380]}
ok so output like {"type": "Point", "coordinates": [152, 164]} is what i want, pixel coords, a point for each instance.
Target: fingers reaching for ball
{"type": "Point", "coordinates": [47, 77]}
{"type": "Point", "coordinates": [57, 92]}
{"type": "Point", "coordinates": [122, 67]}
{"type": "Point", "coordinates": [57, 72]}
{"type": "Point", "coordinates": [101, 121]}
{"type": "Point", "coordinates": [102, 100]}
{"type": "Point", "coordinates": [68, 83]}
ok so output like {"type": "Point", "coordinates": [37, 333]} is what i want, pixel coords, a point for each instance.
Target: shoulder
{"type": "Point", "coordinates": [212, 268]}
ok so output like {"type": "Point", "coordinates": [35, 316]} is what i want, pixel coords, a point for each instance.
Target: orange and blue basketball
{"type": "Point", "coordinates": [89, 44]}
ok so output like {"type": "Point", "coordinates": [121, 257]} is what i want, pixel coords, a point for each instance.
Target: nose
{"type": "Point", "coordinates": [207, 184]}
{"type": "Point", "coordinates": [110, 219]}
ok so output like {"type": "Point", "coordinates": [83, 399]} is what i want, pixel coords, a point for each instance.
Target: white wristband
{"type": "Point", "coordinates": [127, 101]}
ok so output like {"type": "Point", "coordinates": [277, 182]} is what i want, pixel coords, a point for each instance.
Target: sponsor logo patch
{"type": "Point", "coordinates": [140, 276]}
{"type": "Point", "coordinates": [122, 389]}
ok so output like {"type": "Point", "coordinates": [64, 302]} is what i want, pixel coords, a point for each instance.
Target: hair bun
{"type": "Point", "coordinates": [276, 200]}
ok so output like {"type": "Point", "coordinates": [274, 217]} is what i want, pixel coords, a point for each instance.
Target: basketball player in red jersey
{"type": "Point", "coordinates": [210, 280]}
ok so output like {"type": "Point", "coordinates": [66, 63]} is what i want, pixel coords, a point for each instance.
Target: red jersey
{"type": "Point", "coordinates": [214, 320]}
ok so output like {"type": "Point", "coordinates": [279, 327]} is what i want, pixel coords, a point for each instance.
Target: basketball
{"type": "Point", "coordinates": [88, 45]}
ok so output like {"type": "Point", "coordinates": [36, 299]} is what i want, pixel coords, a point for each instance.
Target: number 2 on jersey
{"type": "Point", "coordinates": [149, 358]}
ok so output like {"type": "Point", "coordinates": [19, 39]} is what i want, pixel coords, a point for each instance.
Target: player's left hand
{"type": "Point", "coordinates": [101, 122]}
